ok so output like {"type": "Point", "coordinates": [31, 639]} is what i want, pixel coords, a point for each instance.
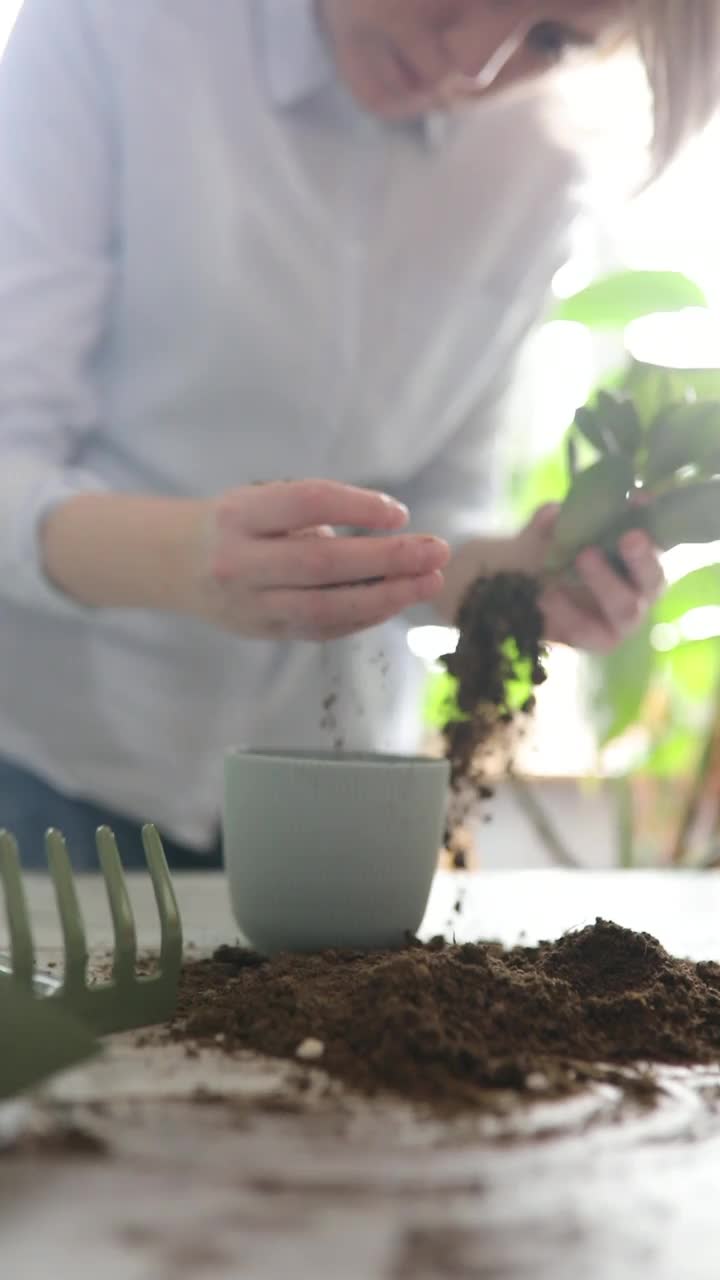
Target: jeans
{"type": "Point", "coordinates": [28, 806]}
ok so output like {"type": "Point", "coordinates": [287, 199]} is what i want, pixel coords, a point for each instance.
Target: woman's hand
{"type": "Point", "coordinates": [596, 614]}
{"type": "Point", "coordinates": [607, 606]}
{"type": "Point", "coordinates": [274, 566]}
{"type": "Point", "coordinates": [261, 560]}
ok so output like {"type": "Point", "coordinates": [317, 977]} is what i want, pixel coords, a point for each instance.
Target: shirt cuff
{"type": "Point", "coordinates": [31, 586]}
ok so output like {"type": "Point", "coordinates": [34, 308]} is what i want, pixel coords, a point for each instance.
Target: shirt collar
{"type": "Point", "coordinates": [297, 61]}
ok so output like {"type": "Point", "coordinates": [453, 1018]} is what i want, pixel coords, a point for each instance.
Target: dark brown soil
{"type": "Point", "coordinates": [451, 1025]}
{"type": "Point", "coordinates": [501, 638]}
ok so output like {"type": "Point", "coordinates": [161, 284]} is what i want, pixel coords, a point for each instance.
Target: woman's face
{"type": "Point", "coordinates": [402, 57]}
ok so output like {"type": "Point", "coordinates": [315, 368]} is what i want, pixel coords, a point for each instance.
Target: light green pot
{"type": "Point", "coordinates": [331, 850]}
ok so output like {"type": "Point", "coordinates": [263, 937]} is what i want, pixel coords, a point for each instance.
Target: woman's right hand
{"type": "Point", "coordinates": [271, 564]}
{"type": "Point", "coordinates": [261, 560]}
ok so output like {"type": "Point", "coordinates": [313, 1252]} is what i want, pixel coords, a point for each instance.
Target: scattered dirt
{"type": "Point", "coordinates": [59, 1138]}
{"type": "Point", "coordinates": [382, 662]}
{"type": "Point", "coordinates": [452, 1252]}
{"type": "Point", "coordinates": [329, 721]}
{"type": "Point", "coordinates": [500, 650]}
{"type": "Point", "coordinates": [451, 1025]}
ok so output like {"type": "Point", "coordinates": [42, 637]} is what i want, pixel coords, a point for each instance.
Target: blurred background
{"type": "Point", "coordinates": [622, 765]}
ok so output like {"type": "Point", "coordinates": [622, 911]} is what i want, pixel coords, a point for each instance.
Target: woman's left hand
{"type": "Point", "coordinates": [608, 607]}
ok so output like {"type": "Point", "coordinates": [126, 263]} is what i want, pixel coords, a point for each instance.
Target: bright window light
{"type": "Point", "coordinates": [698, 624]}
{"type": "Point", "coordinates": [686, 559]}
{"type": "Point", "coordinates": [665, 637]}
{"type": "Point", "coordinates": [687, 339]}
{"type": "Point", "coordinates": [674, 226]}
{"type": "Point", "coordinates": [9, 10]}
{"type": "Point", "coordinates": [431, 643]}
{"type": "Point", "coordinates": [572, 278]}
{"type": "Point", "coordinates": [701, 624]}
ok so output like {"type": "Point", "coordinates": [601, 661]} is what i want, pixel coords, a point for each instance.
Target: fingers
{"type": "Point", "coordinates": [320, 531]}
{"type": "Point", "coordinates": [609, 606]}
{"type": "Point", "coordinates": [643, 565]}
{"type": "Point", "coordinates": [623, 602]}
{"type": "Point", "coordinates": [319, 614]}
{"type": "Point", "coordinates": [544, 521]}
{"type": "Point", "coordinates": [617, 601]}
{"type": "Point", "coordinates": [290, 506]}
{"type": "Point", "coordinates": [334, 562]}
{"type": "Point", "coordinates": [568, 623]}
{"type": "Point", "coordinates": [276, 566]}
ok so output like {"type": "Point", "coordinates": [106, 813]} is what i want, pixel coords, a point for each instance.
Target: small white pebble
{"type": "Point", "coordinates": [537, 1082]}
{"type": "Point", "coordinates": [221, 1038]}
{"type": "Point", "coordinates": [310, 1050]}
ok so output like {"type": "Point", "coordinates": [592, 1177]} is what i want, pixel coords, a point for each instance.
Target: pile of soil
{"type": "Point", "coordinates": [449, 1024]}
{"type": "Point", "coordinates": [501, 641]}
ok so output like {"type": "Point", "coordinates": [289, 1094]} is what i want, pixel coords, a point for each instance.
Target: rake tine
{"type": "Point", "coordinates": [71, 921]}
{"type": "Point", "coordinates": [120, 908]}
{"type": "Point", "coordinates": [171, 940]}
{"type": "Point", "coordinates": [22, 952]}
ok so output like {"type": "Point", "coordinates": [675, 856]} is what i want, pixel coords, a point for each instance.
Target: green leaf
{"type": "Point", "coordinates": [610, 305]}
{"type": "Point", "coordinates": [684, 516]}
{"type": "Point", "coordinates": [612, 425]}
{"type": "Point", "coordinates": [694, 591]}
{"type": "Point", "coordinates": [626, 426]}
{"type": "Point", "coordinates": [597, 499]}
{"type": "Point", "coordinates": [684, 435]}
{"type": "Point", "coordinates": [676, 754]}
{"type": "Point", "coordinates": [621, 681]}
{"type": "Point", "coordinates": [590, 424]}
{"type": "Point", "coordinates": [571, 454]}
{"type": "Point", "coordinates": [693, 668]}
{"type": "Point", "coordinates": [703, 384]}
{"type": "Point", "coordinates": [654, 387]}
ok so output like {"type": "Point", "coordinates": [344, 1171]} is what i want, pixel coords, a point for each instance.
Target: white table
{"type": "Point", "coordinates": [336, 1189]}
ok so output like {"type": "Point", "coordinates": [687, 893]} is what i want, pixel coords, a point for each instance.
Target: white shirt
{"type": "Point", "coordinates": [215, 269]}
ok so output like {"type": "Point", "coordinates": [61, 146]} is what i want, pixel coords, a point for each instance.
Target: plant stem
{"type": "Point", "coordinates": [542, 824]}
{"type": "Point", "coordinates": [625, 825]}
{"type": "Point", "coordinates": [712, 859]}
{"type": "Point", "coordinates": [712, 862]}
{"type": "Point", "coordinates": [707, 766]}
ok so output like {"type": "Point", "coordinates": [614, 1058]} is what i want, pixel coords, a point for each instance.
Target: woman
{"type": "Point", "coordinates": [257, 241]}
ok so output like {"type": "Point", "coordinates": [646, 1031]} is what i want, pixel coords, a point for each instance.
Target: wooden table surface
{"type": "Point", "coordinates": [239, 1187]}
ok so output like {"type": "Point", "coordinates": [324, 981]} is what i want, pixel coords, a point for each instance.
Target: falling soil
{"type": "Point", "coordinates": [501, 638]}
{"type": "Point", "coordinates": [451, 1025]}
{"type": "Point", "coordinates": [500, 651]}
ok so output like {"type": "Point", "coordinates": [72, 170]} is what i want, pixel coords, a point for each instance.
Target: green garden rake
{"type": "Point", "coordinates": [37, 1040]}
{"type": "Point", "coordinates": [126, 1002]}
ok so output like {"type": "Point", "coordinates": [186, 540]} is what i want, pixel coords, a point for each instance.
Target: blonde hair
{"type": "Point", "coordinates": [679, 41]}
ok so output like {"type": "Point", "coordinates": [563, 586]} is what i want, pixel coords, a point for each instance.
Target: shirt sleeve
{"type": "Point", "coordinates": [56, 269]}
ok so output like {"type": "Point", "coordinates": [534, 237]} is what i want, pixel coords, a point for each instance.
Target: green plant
{"type": "Point", "coordinates": [650, 437]}
{"type": "Point", "coordinates": [660, 476]}
{"type": "Point", "coordinates": [659, 694]}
